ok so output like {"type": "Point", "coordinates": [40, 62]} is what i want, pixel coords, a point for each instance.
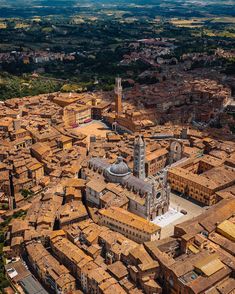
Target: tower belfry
{"type": "Point", "coordinates": [118, 96]}
{"type": "Point", "coordinates": [139, 158]}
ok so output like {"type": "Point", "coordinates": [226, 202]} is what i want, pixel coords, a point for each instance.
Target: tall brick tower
{"type": "Point", "coordinates": [118, 96]}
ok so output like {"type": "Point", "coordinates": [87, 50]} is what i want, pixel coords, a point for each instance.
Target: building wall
{"type": "Point", "coordinates": [45, 276]}
{"type": "Point", "coordinates": [132, 233]}
{"type": "Point", "coordinates": [128, 124]}
{"type": "Point", "coordinates": [64, 259]}
{"type": "Point", "coordinates": [137, 208]}
{"type": "Point", "coordinates": [194, 190]}
{"type": "Point", "coordinates": [98, 112]}
{"type": "Point", "coordinates": [69, 117]}
{"type": "Point", "coordinates": [38, 174]}
{"type": "Point", "coordinates": [76, 115]}
{"type": "Point", "coordinates": [20, 145]}
{"type": "Point", "coordinates": [82, 115]}
{"type": "Point", "coordinates": [155, 165]}
{"type": "Point", "coordinates": [67, 145]}
{"type": "Point", "coordinates": [92, 196]}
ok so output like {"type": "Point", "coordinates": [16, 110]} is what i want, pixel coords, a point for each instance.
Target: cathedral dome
{"type": "Point", "coordinates": [119, 168]}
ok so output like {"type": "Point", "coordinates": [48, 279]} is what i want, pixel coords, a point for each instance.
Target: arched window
{"type": "Point", "coordinates": [158, 195]}
{"type": "Point", "coordinates": [171, 281]}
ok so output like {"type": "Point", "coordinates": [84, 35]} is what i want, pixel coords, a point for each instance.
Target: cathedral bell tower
{"type": "Point", "coordinates": [139, 158]}
{"type": "Point", "coordinates": [118, 96]}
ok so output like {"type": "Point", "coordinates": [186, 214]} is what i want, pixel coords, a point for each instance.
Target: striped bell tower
{"type": "Point", "coordinates": [139, 158]}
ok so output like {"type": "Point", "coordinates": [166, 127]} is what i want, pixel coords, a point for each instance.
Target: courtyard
{"type": "Point", "coordinates": [95, 127]}
{"type": "Point", "coordinates": [174, 216]}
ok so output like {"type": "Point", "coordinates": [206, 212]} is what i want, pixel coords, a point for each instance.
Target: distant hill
{"type": "Point", "coordinates": [166, 8]}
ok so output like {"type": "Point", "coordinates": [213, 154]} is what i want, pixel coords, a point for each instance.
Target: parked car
{"type": "Point", "coordinates": [183, 211]}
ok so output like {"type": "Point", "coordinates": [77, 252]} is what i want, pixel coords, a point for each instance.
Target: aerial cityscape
{"type": "Point", "coordinates": [117, 146]}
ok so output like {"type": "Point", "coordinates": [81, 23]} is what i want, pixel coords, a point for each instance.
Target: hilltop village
{"type": "Point", "coordinates": [101, 193]}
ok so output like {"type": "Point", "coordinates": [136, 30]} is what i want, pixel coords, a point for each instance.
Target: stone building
{"type": "Point", "coordinates": [201, 177]}
{"type": "Point", "coordinates": [156, 161]}
{"type": "Point", "coordinates": [76, 114]}
{"type": "Point", "coordinates": [176, 151]}
{"type": "Point", "coordinates": [145, 199]}
{"type": "Point", "coordinates": [50, 272]}
{"type": "Point", "coordinates": [199, 258]}
{"type": "Point", "coordinates": [130, 225]}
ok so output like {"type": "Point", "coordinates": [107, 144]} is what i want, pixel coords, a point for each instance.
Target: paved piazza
{"type": "Point", "coordinates": [166, 219]}
{"type": "Point", "coordinates": [174, 216]}
{"type": "Point", "coordinates": [95, 127]}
